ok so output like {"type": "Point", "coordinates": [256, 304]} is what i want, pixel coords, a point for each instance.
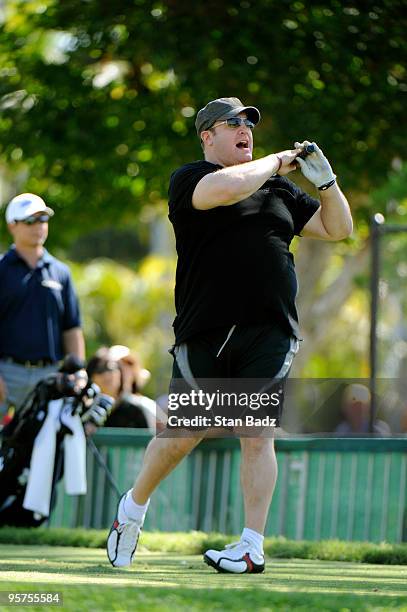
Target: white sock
{"type": "Point", "coordinates": [128, 509]}
{"type": "Point", "coordinates": [254, 537]}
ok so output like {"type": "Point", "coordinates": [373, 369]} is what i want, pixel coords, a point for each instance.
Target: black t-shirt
{"type": "Point", "coordinates": [234, 264]}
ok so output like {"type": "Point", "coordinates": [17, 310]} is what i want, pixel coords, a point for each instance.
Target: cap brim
{"type": "Point", "coordinates": [119, 351]}
{"type": "Point", "coordinates": [253, 113]}
{"type": "Point", "coordinates": [47, 210]}
{"type": "Point", "coordinates": [34, 211]}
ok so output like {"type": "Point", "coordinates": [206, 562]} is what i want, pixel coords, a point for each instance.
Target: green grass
{"type": "Point", "coordinates": [173, 582]}
{"type": "Point", "coordinates": [197, 542]}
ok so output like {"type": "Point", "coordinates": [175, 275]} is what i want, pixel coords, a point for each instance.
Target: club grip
{"type": "Point", "coordinates": [310, 148]}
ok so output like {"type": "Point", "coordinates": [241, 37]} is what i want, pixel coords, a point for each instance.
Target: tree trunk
{"type": "Point", "coordinates": [318, 307]}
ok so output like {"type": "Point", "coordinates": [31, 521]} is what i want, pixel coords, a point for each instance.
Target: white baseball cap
{"type": "Point", "coordinates": [120, 352]}
{"type": "Point", "coordinates": [25, 205]}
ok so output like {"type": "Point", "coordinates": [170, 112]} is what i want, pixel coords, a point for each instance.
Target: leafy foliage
{"type": "Point", "coordinates": [123, 306]}
{"type": "Point", "coordinates": [197, 542]}
{"type": "Point", "coordinates": [98, 99]}
{"type": "Point", "coordinates": [98, 103]}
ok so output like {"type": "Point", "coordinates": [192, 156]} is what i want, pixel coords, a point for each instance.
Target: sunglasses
{"type": "Point", "coordinates": [235, 122]}
{"type": "Point", "coordinates": [35, 219]}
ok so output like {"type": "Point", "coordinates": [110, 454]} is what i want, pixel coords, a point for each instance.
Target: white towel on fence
{"type": "Point", "coordinates": [74, 455]}
{"type": "Point", "coordinates": [38, 492]}
{"type": "Point", "coordinates": [39, 486]}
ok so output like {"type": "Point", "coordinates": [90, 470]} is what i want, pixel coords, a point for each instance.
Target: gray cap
{"type": "Point", "coordinates": [223, 108]}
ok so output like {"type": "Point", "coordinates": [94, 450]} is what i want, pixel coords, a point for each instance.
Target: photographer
{"type": "Point", "coordinates": [118, 372]}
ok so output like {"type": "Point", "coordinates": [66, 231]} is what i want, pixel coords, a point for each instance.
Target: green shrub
{"type": "Point", "coordinates": [196, 542]}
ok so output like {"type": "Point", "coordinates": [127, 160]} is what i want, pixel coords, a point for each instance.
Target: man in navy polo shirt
{"type": "Point", "coordinates": [39, 311]}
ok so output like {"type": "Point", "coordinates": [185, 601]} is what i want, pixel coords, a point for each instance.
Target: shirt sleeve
{"type": "Point", "coordinates": [183, 182]}
{"type": "Point", "coordinates": [302, 206]}
{"type": "Point", "coordinates": [72, 317]}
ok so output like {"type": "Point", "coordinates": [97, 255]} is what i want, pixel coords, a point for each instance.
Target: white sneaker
{"type": "Point", "coordinates": [238, 558]}
{"type": "Point", "coordinates": [122, 539]}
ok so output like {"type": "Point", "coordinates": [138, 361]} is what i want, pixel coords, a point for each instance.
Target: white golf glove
{"type": "Point", "coordinates": [99, 410]}
{"type": "Point", "coordinates": [315, 167]}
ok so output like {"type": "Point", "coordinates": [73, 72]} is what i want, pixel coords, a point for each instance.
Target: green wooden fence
{"type": "Point", "coordinates": [351, 489]}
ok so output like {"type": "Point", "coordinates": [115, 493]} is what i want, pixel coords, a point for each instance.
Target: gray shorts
{"type": "Point", "coordinates": [20, 381]}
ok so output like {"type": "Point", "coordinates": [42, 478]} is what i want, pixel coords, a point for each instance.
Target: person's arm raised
{"type": "Point", "coordinates": [333, 220]}
{"type": "Point", "coordinates": [235, 183]}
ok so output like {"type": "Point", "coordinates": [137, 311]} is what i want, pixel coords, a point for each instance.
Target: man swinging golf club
{"type": "Point", "coordinates": [234, 220]}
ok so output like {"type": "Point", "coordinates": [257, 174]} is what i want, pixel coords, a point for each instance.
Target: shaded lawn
{"type": "Point", "coordinates": [163, 581]}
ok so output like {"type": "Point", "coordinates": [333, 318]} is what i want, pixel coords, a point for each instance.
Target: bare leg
{"type": "Point", "coordinates": [161, 457]}
{"type": "Point", "coordinates": [258, 474]}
